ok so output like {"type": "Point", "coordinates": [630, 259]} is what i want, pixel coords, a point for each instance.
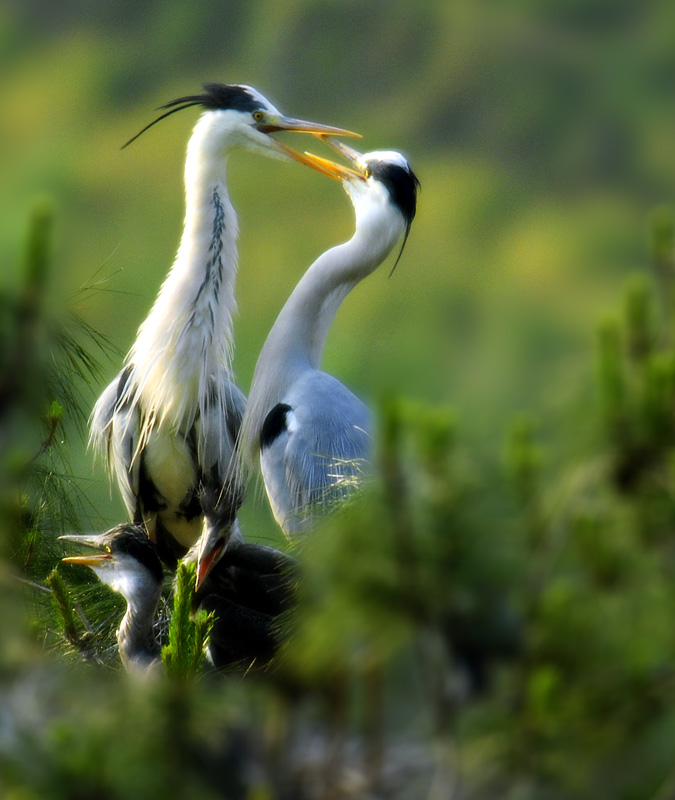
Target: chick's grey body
{"type": "Point", "coordinates": [248, 590]}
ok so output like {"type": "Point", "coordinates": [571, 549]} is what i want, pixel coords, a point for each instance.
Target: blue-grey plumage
{"type": "Point", "coordinates": [320, 452]}
{"type": "Point", "coordinates": [309, 434]}
{"type": "Point", "coordinates": [168, 422]}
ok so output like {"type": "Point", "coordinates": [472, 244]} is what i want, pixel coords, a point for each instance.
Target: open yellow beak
{"type": "Point", "coordinates": [331, 168]}
{"type": "Point", "coordinates": [88, 540]}
{"type": "Point", "coordinates": [89, 561]}
{"type": "Point", "coordinates": [324, 132]}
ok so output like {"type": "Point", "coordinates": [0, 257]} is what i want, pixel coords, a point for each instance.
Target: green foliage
{"type": "Point", "coordinates": [637, 385]}
{"type": "Point", "coordinates": [507, 616]}
{"type": "Point", "coordinates": [77, 633]}
{"type": "Point", "coordinates": [183, 653]}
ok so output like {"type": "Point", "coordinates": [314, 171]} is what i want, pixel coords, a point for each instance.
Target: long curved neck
{"type": "Point", "coordinates": [296, 342]}
{"type": "Point", "coordinates": [186, 340]}
{"type": "Point", "coordinates": [203, 274]}
{"type": "Point", "coordinates": [299, 334]}
{"type": "Point", "coordinates": [136, 637]}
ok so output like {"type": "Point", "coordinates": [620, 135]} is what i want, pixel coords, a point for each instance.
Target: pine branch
{"type": "Point", "coordinates": [183, 654]}
{"type": "Point", "coordinates": [67, 610]}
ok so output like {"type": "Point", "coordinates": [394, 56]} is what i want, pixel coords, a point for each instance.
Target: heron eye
{"type": "Point", "coordinates": [258, 116]}
{"type": "Point", "coordinates": [368, 172]}
{"type": "Point", "coordinates": [108, 549]}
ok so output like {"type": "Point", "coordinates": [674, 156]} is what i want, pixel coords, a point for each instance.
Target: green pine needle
{"type": "Point", "coordinates": [183, 654]}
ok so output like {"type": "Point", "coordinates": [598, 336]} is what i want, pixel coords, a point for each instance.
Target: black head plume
{"type": "Point", "coordinates": [403, 186]}
{"type": "Point", "coordinates": [216, 96]}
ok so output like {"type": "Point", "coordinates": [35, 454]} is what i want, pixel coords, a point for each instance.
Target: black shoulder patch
{"type": "Point", "coordinates": [274, 424]}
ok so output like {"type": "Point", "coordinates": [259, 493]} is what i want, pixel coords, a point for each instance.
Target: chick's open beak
{"type": "Point", "coordinates": [96, 560]}
{"type": "Point", "coordinates": [95, 541]}
{"type": "Point", "coordinates": [207, 561]}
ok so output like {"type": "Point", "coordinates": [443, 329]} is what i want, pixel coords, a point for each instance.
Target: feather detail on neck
{"type": "Point", "coordinates": [181, 358]}
{"type": "Point", "coordinates": [136, 636]}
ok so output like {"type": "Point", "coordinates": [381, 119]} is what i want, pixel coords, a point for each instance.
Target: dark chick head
{"type": "Point", "coordinates": [125, 559]}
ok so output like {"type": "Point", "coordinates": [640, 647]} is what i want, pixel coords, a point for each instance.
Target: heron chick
{"type": "Point", "coordinates": [128, 563]}
{"type": "Point", "coordinates": [248, 587]}
{"type": "Point", "coordinates": [248, 591]}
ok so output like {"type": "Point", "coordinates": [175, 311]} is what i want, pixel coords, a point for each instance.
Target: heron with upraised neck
{"type": "Point", "coordinates": [168, 422]}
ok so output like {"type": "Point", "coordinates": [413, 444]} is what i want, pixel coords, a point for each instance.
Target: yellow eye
{"type": "Point", "coordinates": [108, 548]}
{"type": "Point", "coordinates": [258, 116]}
{"type": "Point", "coordinates": [368, 172]}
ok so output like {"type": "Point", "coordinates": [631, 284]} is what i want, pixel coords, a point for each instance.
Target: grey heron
{"type": "Point", "coordinates": [128, 563]}
{"type": "Point", "coordinates": [309, 432]}
{"type": "Point", "coordinates": [251, 586]}
{"type": "Point", "coordinates": [169, 420]}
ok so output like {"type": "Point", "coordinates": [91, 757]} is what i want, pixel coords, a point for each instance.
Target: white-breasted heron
{"type": "Point", "coordinates": [309, 433]}
{"type": "Point", "coordinates": [169, 420]}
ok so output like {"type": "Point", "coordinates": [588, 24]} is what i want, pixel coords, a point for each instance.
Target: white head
{"type": "Point", "coordinates": [239, 116]}
{"type": "Point", "coordinates": [376, 182]}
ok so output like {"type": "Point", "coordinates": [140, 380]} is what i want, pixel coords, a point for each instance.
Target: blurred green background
{"type": "Point", "coordinates": [542, 132]}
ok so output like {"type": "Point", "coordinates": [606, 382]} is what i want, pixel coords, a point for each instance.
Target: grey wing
{"type": "Point", "coordinates": [216, 432]}
{"type": "Point", "coordinates": [316, 451]}
{"type": "Point", "coordinates": [114, 432]}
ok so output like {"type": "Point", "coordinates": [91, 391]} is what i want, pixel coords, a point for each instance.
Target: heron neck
{"type": "Point", "coordinates": [201, 283]}
{"type": "Point", "coordinates": [296, 342]}
{"type": "Point", "coordinates": [138, 644]}
{"type": "Point", "coordinates": [184, 345]}
{"type": "Point", "coordinates": [299, 334]}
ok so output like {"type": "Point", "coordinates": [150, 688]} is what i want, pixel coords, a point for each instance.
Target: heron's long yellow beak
{"type": "Point", "coordinates": [89, 561]}
{"type": "Point", "coordinates": [334, 170]}
{"type": "Point", "coordinates": [322, 165]}
{"type": "Point", "coordinates": [352, 155]}
{"type": "Point", "coordinates": [302, 126]}
{"type": "Point", "coordinates": [88, 540]}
